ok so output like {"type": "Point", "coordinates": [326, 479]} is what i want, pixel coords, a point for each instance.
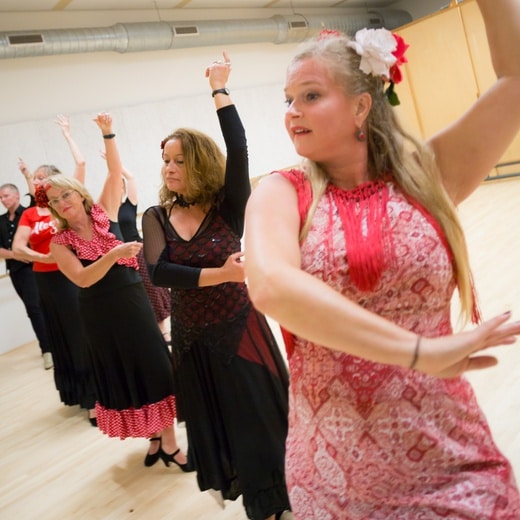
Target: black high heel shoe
{"type": "Point", "coordinates": [92, 420]}
{"type": "Point", "coordinates": [150, 460]}
{"type": "Point", "coordinates": [169, 457]}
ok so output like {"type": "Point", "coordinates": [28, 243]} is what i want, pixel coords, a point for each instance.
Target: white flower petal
{"type": "Point", "coordinates": [375, 46]}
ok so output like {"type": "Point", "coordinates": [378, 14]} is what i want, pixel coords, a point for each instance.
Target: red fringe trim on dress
{"type": "Point", "coordinates": [364, 215]}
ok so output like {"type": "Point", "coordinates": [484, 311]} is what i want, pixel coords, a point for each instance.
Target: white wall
{"type": "Point", "coordinates": [15, 327]}
{"type": "Point", "coordinates": [149, 94]}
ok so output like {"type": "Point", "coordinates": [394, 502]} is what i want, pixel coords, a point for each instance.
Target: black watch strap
{"type": "Point", "coordinates": [220, 91]}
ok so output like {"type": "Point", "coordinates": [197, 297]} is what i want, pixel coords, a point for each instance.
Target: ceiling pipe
{"type": "Point", "coordinates": [164, 35]}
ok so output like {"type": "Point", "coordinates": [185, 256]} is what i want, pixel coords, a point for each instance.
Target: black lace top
{"type": "Point", "coordinates": [214, 314]}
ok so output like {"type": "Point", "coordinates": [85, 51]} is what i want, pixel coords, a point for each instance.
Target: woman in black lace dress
{"type": "Point", "coordinates": [231, 379]}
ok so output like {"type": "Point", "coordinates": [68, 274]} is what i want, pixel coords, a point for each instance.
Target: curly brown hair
{"type": "Point", "coordinates": [205, 166]}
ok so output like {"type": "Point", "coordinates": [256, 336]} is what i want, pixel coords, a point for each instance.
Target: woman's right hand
{"type": "Point", "coordinates": [104, 122]}
{"type": "Point", "coordinates": [127, 249]}
{"type": "Point", "coordinates": [234, 268]}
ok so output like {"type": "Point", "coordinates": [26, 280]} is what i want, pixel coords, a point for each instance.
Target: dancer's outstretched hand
{"type": "Point", "coordinates": [450, 356]}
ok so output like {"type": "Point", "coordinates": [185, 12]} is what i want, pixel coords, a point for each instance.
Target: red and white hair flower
{"type": "Point", "coordinates": [382, 54]}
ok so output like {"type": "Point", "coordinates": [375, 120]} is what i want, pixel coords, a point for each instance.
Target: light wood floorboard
{"type": "Point", "coordinates": [54, 465]}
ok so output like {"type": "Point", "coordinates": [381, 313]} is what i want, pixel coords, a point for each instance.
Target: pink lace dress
{"type": "Point", "coordinates": [374, 441]}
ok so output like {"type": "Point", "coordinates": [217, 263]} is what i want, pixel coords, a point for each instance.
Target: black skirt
{"type": "Point", "coordinates": [131, 361]}
{"type": "Point", "coordinates": [70, 351]}
{"type": "Point", "coordinates": [236, 409]}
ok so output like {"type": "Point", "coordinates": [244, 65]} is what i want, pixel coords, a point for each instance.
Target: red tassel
{"type": "Point", "coordinates": [363, 213]}
{"type": "Point", "coordinates": [476, 315]}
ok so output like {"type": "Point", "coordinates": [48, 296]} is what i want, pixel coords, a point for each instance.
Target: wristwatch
{"type": "Point", "coordinates": [220, 91]}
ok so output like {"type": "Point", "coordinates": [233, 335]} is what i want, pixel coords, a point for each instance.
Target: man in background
{"type": "Point", "coordinates": [21, 272]}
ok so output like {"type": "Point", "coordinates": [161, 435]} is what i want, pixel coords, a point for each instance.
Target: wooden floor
{"type": "Point", "coordinates": [54, 465]}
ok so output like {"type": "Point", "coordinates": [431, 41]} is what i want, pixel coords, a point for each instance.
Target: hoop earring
{"type": "Point", "coordinates": [361, 136]}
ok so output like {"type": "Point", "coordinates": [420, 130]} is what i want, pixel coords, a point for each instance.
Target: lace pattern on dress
{"type": "Point", "coordinates": [198, 313]}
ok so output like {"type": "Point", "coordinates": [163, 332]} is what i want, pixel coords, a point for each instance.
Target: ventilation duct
{"type": "Point", "coordinates": [153, 36]}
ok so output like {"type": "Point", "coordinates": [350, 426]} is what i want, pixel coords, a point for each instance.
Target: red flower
{"type": "Point", "coordinates": [40, 195]}
{"type": "Point", "coordinates": [395, 72]}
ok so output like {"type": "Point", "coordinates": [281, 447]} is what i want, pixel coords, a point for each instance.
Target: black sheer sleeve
{"type": "Point", "coordinates": [235, 193]}
{"type": "Point", "coordinates": [162, 272]}
{"type": "Point", "coordinates": [237, 187]}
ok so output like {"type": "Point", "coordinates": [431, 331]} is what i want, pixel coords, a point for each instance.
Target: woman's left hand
{"type": "Point", "coordinates": [450, 356]}
{"type": "Point", "coordinates": [218, 72]}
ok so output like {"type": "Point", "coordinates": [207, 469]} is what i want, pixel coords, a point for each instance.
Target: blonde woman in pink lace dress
{"type": "Point", "coordinates": [357, 257]}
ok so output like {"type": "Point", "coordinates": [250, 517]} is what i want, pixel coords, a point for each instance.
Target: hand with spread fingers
{"type": "Point", "coordinates": [467, 348]}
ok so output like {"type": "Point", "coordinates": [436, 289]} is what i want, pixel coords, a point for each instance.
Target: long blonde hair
{"type": "Point", "coordinates": [390, 150]}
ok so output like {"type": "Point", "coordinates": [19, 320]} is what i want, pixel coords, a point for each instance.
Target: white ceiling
{"type": "Point", "coordinates": [205, 9]}
{"type": "Point", "coordinates": [123, 5]}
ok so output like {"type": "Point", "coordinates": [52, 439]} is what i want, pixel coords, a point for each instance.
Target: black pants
{"type": "Point", "coordinates": [25, 286]}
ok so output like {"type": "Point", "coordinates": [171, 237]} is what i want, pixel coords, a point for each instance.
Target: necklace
{"type": "Point", "coordinates": [182, 202]}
